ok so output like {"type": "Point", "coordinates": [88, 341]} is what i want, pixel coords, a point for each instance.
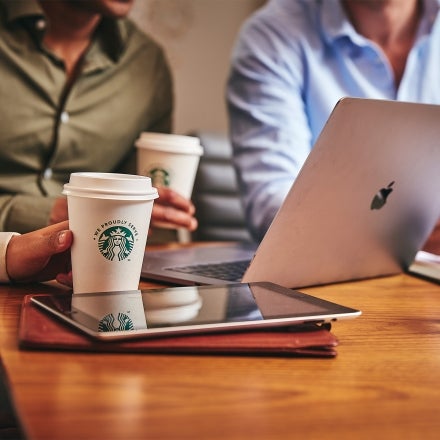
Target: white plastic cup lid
{"type": "Point", "coordinates": [170, 143]}
{"type": "Point", "coordinates": [110, 186]}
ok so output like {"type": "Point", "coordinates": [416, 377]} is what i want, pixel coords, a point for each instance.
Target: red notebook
{"type": "Point", "coordinates": [39, 330]}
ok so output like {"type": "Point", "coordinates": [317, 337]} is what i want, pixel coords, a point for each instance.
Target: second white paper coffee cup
{"type": "Point", "coordinates": [170, 160]}
{"type": "Point", "coordinates": [109, 215]}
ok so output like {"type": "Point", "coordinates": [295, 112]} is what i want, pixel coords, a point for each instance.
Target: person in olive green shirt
{"type": "Point", "coordinates": [79, 83]}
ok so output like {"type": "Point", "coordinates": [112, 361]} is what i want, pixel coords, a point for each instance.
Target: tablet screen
{"type": "Point", "coordinates": [190, 309]}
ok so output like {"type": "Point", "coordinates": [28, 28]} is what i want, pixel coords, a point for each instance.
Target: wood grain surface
{"type": "Point", "coordinates": [384, 383]}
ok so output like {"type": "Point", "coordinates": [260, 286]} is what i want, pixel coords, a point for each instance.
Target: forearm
{"type": "Point", "coordinates": [24, 213]}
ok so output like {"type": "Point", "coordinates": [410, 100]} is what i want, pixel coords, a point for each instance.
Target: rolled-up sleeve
{"type": "Point", "coordinates": [5, 237]}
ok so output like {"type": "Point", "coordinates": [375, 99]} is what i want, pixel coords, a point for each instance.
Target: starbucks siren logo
{"type": "Point", "coordinates": [116, 243]}
{"type": "Point", "coordinates": [110, 323]}
{"type": "Point", "coordinates": [159, 176]}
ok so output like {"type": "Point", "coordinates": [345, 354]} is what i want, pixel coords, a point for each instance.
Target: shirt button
{"type": "Point", "coordinates": [40, 24]}
{"type": "Point", "coordinates": [48, 173]}
{"type": "Point", "coordinates": [64, 117]}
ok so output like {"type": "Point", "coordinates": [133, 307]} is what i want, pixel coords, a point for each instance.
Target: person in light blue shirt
{"type": "Point", "coordinates": [294, 59]}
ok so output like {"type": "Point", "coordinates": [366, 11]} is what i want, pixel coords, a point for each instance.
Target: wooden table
{"type": "Point", "coordinates": [384, 383]}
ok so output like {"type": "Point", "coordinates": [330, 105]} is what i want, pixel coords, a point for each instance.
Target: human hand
{"type": "Point", "coordinates": [59, 211]}
{"type": "Point", "coordinates": [171, 210]}
{"type": "Point", "coordinates": [41, 255]}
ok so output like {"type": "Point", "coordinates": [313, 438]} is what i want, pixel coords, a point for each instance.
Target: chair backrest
{"type": "Point", "coordinates": [216, 193]}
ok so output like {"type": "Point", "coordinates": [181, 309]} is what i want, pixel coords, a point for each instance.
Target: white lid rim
{"type": "Point", "coordinates": [107, 176]}
{"type": "Point", "coordinates": [75, 189]}
{"type": "Point", "coordinates": [113, 197]}
{"type": "Point", "coordinates": [195, 150]}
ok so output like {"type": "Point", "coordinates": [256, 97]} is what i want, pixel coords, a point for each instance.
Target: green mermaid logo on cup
{"type": "Point", "coordinates": [116, 243]}
{"type": "Point", "coordinates": [159, 176]}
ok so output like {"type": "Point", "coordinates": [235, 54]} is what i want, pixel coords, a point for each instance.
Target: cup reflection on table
{"type": "Point", "coordinates": [106, 312]}
{"type": "Point", "coordinates": [134, 310]}
{"type": "Point", "coordinates": [171, 307]}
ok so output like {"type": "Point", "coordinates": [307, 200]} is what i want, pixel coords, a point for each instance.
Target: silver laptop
{"type": "Point", "coordinates": [363, 204]}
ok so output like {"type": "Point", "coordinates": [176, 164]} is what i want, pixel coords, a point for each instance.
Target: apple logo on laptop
{"type": "Point", "coordinates": [381, 196]}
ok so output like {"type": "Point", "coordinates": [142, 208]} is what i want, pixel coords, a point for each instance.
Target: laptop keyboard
{"type": "Point", "coordinates": [232, 271]}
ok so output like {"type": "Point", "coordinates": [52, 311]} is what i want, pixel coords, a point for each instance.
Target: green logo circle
{"type": "Point", "coordinates": [159, 177]}
{"type": "Point", "coordinates": [110, 323]}
{"type": "Point", "coordinates": [116, 243]}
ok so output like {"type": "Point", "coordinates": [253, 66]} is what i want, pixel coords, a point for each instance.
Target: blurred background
{"type": "Point", "coordinates": [198, 36]}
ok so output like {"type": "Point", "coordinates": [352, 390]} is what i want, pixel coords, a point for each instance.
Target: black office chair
{"type": "Point", "coordinates": [216, 194]}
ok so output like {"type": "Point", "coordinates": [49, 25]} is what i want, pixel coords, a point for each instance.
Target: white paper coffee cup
{"type": "Point", "coordinates": [170, 160]}
{"type": "Point", "coordinates": [109, 215]}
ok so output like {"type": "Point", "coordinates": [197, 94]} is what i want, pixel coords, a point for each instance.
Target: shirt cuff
{"type": "Point", "coordinates": [4, 241]}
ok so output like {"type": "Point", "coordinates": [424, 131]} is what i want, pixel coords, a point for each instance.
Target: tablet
{"type": "Point", "coordinates": [190, 309]}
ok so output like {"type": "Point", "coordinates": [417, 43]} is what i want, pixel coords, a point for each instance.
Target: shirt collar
{"type": "Point", "coordinates": [335, 23]}
{"type": "Point", "coordinates": [112, 37]}
{"type": "Point", "coordinates": [111, 34]}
